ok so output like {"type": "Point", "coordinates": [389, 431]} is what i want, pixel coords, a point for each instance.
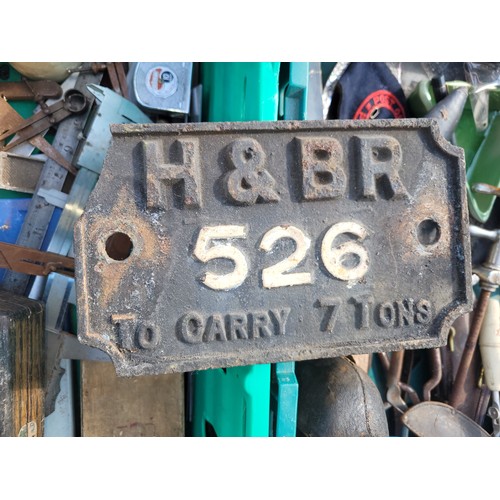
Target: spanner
{"type": "Point", "coordinates": [74, 102]}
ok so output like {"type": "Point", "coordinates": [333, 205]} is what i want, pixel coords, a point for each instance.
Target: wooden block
{"type": "Point", "coordinates": [138, 406]}
{"type": "Point", "coordinates": [21, 366]}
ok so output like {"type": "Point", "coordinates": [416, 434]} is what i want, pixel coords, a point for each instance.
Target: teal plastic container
{"type": "Point", "coordinates": [236, 401]}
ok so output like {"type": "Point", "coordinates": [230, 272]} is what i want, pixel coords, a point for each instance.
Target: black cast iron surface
{"type": "Point", "coordinates": [224, 244]}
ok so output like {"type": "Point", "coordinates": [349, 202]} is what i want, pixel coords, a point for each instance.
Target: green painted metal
{"type": "Point", "coordinates": [235, 401]}
{"type": "Point", "coordinates": [467, 136]}
{"type": "Point", "coordinates": [485, 168]}
{"type": "Point", "coordinates": [422, 99]}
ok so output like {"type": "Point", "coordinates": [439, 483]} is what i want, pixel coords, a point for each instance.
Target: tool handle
{"type": "Point", "coordinates": [484, 233]}
{"type": "Point", "coordinates": [484, 188]}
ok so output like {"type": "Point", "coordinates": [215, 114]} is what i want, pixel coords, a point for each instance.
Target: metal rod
{"type": "Point", "coordinates": [436, 371]}
{"type": "Point", "coordinates": [412, 393]}
{"type": "Point", "coordinates": [458, 393]}
{"type": "Point", "coordinates": [483, 188]}
{"type": "Point", "coordinates": [495, 395]}
{"type": "Point", "coordinates": [384, 361]}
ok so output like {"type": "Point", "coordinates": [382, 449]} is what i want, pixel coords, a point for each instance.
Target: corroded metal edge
{"type": "Point", "coordinates": [459, 308]}
{"type": "Point", "coordinates": [126, 365]}
{"type": "Point", "coordinates": [280, 126]}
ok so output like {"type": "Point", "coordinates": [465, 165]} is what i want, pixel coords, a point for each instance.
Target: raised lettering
{"type": "Point", "coordinates": [404, 309]}
{"type": "Point", "coordinates": [332, 305]}
{"type": "Point", "coordinates": [363, 305]}
{"type": "Point", "coordinates": [214, 329]}
{"type": "Point", "coordinates": [279, 317]}
{"type": "Point", "coordinates": [237, 326]}
{"type": "Point", "coordinates": [248, 182]}
{"type": "Point", "coordinates": [337, 260]}
{"type": "Point", "coordinates": [423, 313]}
{"type": "Point", "coordinates": [273, 276]}
{"type": "Point", "coordinates": [185, 172]}
{"type": "Point", "coordinates": [386, 314]}
{"type": "Point", "coordinates": [321, 165]}
{"type": "Point", "coordinates": [380, 158]}
{"type": "Point", "coordinates": [133, 334]}
{"type": "Point", "coordinates": [190, 328]}
{"type": "Point", "coordinates": [125, 323]}
{"type": "Point", "coordinates": [261, 323]}
{"type": "Point", "coordinates": [206, 250]}
{"type": "Point", "coordinates": [147, 337]}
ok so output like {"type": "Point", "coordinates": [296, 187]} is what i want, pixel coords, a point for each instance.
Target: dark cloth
{"type": "Point", "coordinates": [367, 91]}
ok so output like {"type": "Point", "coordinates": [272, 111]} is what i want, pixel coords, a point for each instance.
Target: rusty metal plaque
{"type": "Point", "coordinates": [222, 244]}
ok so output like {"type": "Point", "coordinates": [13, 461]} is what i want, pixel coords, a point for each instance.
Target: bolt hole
{"type": "Point", "coordinates": [428, 232]}
{"type": "Point", "coordinates": [119, 246]}
{"type": "Point", "coordinates": [323, 178]}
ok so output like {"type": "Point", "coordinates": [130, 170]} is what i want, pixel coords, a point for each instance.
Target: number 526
{"type": "Point", "coordinates": [216, 242]}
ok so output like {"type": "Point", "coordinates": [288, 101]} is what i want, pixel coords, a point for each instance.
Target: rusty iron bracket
{"type": "Point", "coordinates": [74, 102]}
{"type": "Point", "coordinates": [26, 90]}
{"type": "Point", "coordinates": [225, 244]}
{"type": "Point", "coordinates": [34, 262]}
{"type": "Point", "coordinates": [10, 121]}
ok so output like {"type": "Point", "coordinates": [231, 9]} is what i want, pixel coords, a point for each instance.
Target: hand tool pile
{"type": "Point", "coordinates": [55, 153]}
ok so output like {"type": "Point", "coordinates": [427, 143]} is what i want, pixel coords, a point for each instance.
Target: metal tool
{"type": "Point", "coordinates": [19, 173]}
{"type": "Point", "coordinates": [26, 90]}
{"type": "Point", "coordinates": [489, 274]}
{"type": "Point", "coordinates": [483, 169]}
{"type": "Point", "coordinates": [118, 78]}
{"type": "Point", "coordinates": [483, 188]}
{"type": "Point", "coordinates": [26, 148]}
{"type": "Point", "coordinates": [74, 102]}
{"type": "Point", "coordinates": [56, 291]}
{"type": "Point", "coordinates": [53, 176]}
{"type": "Point", "coordinates": [438, 84]}
{"type": "Point", "coordinates": [34, 262]}
{"type": "Point", "coordinates": [65, 345]}
{"type": "Point", "coordinates": [494, 413]}
{"type": "Point", "coordinates": [434, 419]}
{"type": "Point", "coordinates": [161, 87]}
{"type": "Point", "coordinates": [393, 378]}
{"type": "Point", "coordinates": [112, 108]}
{"type": "Point", "coordinates": [448, 111]}
{"type": "Point", "coordinates": [489, 345]}
{"type": "Point", "coordinates": [410, 391]}
{"type": "Point", "coordinates": [116, 72]}
{"type": "Point", "coordinates": [10, 120]}
{"type": "Point", "coordinates": [436, 373]}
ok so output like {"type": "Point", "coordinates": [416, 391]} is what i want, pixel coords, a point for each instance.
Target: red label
{"type": "Point", "coordinates": [380, 99]}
